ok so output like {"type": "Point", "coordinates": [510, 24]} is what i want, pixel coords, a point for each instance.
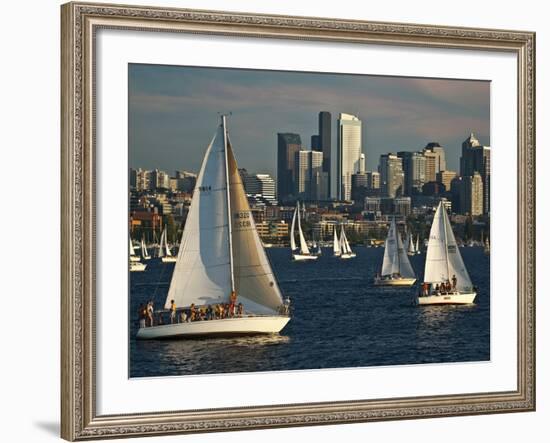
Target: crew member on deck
{"type": "Point", "coordinates": [454, 281]}
{"type": "Point", "coordinates": [172, 311]}
{"type": "Point", "coordinates": [232, 301]}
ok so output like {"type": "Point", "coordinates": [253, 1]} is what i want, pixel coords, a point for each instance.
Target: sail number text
{"type": "Point", "coordinates": [242, 219]}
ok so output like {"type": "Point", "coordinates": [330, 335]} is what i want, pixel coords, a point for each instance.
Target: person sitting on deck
{"type": "Point", "coordinates": [193, 312]}
{"type": "Point", "coordinates": [173, 312]}
{"type": "Point", "coordinates": [425, 289]}
{"type": "Point", "coordinates": [454, 282]}
{"type": "Point", "coordinates": [183, 317]}
{"type": "Point", "coordinates": [142, 315]}
{"type": "Point", "coordinates": [436, 292]}
{"type": "Point", "coordinates": [240, 310]}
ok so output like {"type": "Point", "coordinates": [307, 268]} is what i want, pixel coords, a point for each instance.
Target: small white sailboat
{"type": "Point", "coordinates": [133, 256]}
{"type": "Point", "coordinates": [144, 252]}
{"type": "Point", "coordinates": [417, 245]}
{"type": "Point", "coordinates": [411, 250]}
{"type": "Point", "coordinates": [166, 256]}
{"type": "Point", "coordinates": [221, 258]}
{"type": "Point", "coordinates": [137, 266]}
{"type": "Point", "coordinates": [302, 253]}
{"type": "Point", "coordinates": [344, 246]}
{"type": "Point", "coordinates": [396, 267]}
{"type": "Point", "coordinates": [316, 247]}
{"type": "Point", "coordinates": [336, 251]}
{"type": "Point", "coordinates": [446, 279]}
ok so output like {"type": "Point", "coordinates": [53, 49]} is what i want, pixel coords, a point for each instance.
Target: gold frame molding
{"type": "Point", "coordinates": [79, 22]}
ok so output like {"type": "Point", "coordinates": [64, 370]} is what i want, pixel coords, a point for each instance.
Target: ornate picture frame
{"type": "Point", "coordinates": [80, 22]}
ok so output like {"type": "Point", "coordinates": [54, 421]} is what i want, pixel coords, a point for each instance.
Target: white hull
{"type": "Point", "coordinates": [394, 281]}
{"type": "Point", "coordinates": [457, 298]}
{"type": "Point", "coordinates": [169, 259]}
{"type": "Point", "coordinates": [135, 258]}
{"type": "Point", "coordinates": [216, 328]}
{"type": "Point", "coordinates": [137, 267]}
{"type": "Point", "coordinates": [346, 256]}
{"type": "Point", "coordinates": [302, 257]}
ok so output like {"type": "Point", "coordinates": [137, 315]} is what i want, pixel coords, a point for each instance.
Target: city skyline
{"type": "Point", "coordinates": [172, 109]}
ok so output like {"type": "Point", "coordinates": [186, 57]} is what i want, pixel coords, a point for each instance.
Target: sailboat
{"type": "Point", "coordinates": [316, 247]}
{"type": "Point", "coordinates": [144, 252]}
{"type": "Point", "coordinates": [135, 263]}
{"type": "Point", "coordinates": [396, 268]}
{"type": "Point", "coordinates": [487, 246]}
{"type": "Point", "coordinates": [444, 265]}
{"type": "Point", "coordinates": [417, 245]}
{"type": "Point", "coordinates": [302, 253]}
{"type": "Point", "coordinates": [221, 259]}
{"type": "Point", "coordinates": [336, 244]}
{"type": "Point", "coordinates": [344, 246]}
{"type": "Point", "coordinates": [168, 257]}
{"type": "Point", "coordinates": [410, 245]}
{"type": "Point", "coordinates": [133, 256]}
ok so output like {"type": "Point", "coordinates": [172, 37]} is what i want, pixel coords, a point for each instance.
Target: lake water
{"type": "Point", "coordinates": [338, 320]}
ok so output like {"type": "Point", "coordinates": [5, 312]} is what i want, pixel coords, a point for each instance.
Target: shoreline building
{"type": "Point", "coordinates": [477, 158]}
{"type": "Point", "coordinates": [310, 181]}
{"type": "Point", "coordinates": [471, 196]}
{"type": "Point", "coordinates": [414, 168]}
{"type": "Point", "coordinates": [349, 153]}
{"type": "Point", "coordinates": [392, 177]}
{"type": "Point", "coordinates": [288, 144]}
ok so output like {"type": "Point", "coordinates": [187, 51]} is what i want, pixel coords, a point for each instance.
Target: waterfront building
{"type": "Point", "coordinates": [373, 180]}
{"type": "Point", "coordinates": [477, 158]}
{"type": "Point", "coordinates": [414, 169]}
{"type": "Point", "coordinates": [402, 206]}
{"type": "Point", "coordinates": [349, 153]}
{"type": "Point", "coordinates": [310, 181]}
{"type": "Point", "coordinates": [325, 146]}
{"type": "Point", "coordinates": [471, 196]}
{"type": "Point", "coordinates": [359, 187]}
{"type": "Point", "coordinates": [446, 177]}
{"type": "Point", "coordinates": [140, 180]}
{"type": "Point", "coordinates": [438, 152]}
{"type": "Point", "coordinates": [288, 145]}
{"type": "Point", "coordinates": [391, 175]}
{"type": "Point", "coordinates": [159, 179]}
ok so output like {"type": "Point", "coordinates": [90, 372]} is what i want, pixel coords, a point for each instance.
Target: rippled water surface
{"type": "Point", "coordinates": [339, 320]}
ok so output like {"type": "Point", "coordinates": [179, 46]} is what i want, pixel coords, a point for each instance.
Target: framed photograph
{"type": "Point", "coordinates": [275, 221]}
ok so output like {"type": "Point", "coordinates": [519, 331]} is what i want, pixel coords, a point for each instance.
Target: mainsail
{"type": "Point", "coordinates": [304, 250]}
{"type": "Point", "coordinates": [144, 251]}
{"type": "Point", "coordinates": [215, 257]}
{"type": "Point", "coordinates": [395, 259]}
{"type": "Point", "coordinates": [336, 243]}
{"type": "Point", "coordinates": [132, 251]}
{"type": "Point", "coordinates": [443, 259]}
{"type": "Point", "coordinates": [292, 239]}
{"type": "Point", "coordinates": [161, 245]}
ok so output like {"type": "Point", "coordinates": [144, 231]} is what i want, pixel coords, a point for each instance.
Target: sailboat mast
{"type": "Point", "coordinates": [229, 224]}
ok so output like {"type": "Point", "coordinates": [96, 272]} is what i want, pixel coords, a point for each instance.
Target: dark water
{"type": "Point", "coordinates": [339, 320]}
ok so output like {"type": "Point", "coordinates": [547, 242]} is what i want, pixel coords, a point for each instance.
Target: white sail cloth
{"type": "Point", "coordinates": [443, 259]}
{"type": "Point", "coordinates": [207, 260]}
{"type": "Point", "coordinates": [395, 259]}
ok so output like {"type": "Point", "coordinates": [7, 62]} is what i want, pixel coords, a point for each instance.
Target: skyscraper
{"type": "Point", "coordinates": [414, 168]}
{"type": "Point", "coordinates": [349, 153]}
{"type": "Point", "coordinates": [392, 178]}
{"type": "Point", "coordinates": [324, 145]}
{"type": "Point", "coordinates": [477, 158]}
{"type": "Point", "coordinates": [471, 197]}
{"type": "Point", "coordinates": [362, 162]}
{"type": "Point", "coordinates": [287, 146]}
{"type": "Point", "coordinates": [446, 177]}
{"type": "Point", "coordinates": [309, 178]}
{"type": "Point", "coordinates": [439, 154]}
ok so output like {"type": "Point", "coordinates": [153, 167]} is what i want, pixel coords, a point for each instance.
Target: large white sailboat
{"type": "Point", "coordinates": [164, 252]}
{"type": "Point", "coordinates": [446, 279]}
{"type": "Point", "coordinates": [396, 267]}
{"type": "Point", "coordinates": [302, 253]}
{"type": "Point", "coordinates": [221, 259]}
{"type": "Point", "coordinates": [344, 246]}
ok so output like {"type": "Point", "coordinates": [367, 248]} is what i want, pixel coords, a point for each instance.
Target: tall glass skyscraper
{"type": "Point", "coordinates": [288, 145]}
{"type": "Point", "coordinates": [349, 153]}
{"type": "Point", "coordinates": [324, 144]}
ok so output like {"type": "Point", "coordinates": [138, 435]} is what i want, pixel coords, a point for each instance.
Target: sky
{"type": "Point", "coordinates": [173, 113]}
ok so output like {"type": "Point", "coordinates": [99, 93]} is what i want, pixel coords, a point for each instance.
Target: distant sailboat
{"type": "Point", "coordinates": [135, 263]}
{"type": "Point", "coordinates": [302, 253]}
{"type": "Point", "coordinates": [221, 258]}
{"type": "Point", "coordinates": [144, 252]}
{"type": "Point", "coordinates": [336, 244]}
{"type": "Point", "coordinates": [133, 256]}
{"type": "Point", "coordinates": [444, 266]}
{"type": "Point", "coordinates": [417, 245]}
{"type": "Point", "coordinates": [316, 247]}
{"type": "Point", "coordinates": [344, 246]}
{"type": "Point", "coordinates": [487, 246]}
{"type": "Point", "coordinates": [167, 256]}
{"type": "Point", "coordinates": [396, 268]}
{"type": "Point", "coordinates": [411, 250]}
